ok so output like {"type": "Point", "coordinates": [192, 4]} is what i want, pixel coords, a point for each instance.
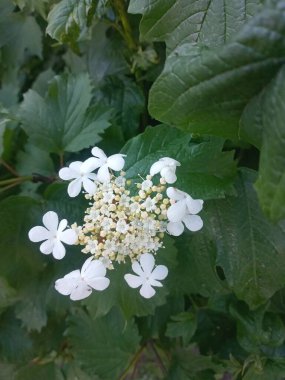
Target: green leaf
{"type": "Point", "coordinates": [7, 371]}
{"type": "Point", "coordinates": [33, 5]}
{"type": "Point", "coordinates": [206, 91]}
{"type": "Point", "coordinates": [69, 20]}
{"type": "Point", "coordinates": [207, 22]}
{"type": "Point", "coordinates": [250, 249]}
{"type": "Point", "coordinates": [103, 346]}
{"type": "Point", "coordinates": [271, 180]}
{"type": "Point", "coordinates": [7, 294]}
{"type": "Point", "coordinates": [205, 171]}
{"type": "Point", "coordinates": [42, 371]}
{"type": "Point", "coordinates": [34, 160]}
{"type": "Point", "coordinates": [258, 331]}
{"type": "Point", "coordinates": [272, 369]}
{"type": "Point", "coordinates": [184, 325]}
{"type": "Point", "coordinates": [63, 121]}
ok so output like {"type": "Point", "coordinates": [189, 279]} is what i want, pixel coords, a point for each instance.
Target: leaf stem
{"type": "Point", "coordinates": [8, 167]}
{"type": "Point", "coordinates": [119, 6]}
{"type": "Point", "coordinates": [158, 358]}
{"type": "Point", "coordinates": [132, 363]}
{"type": "Point", "coordinates": [16, 180]}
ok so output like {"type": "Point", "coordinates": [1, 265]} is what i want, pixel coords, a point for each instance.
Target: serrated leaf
{"type": "Point", "coordinates": [69, 20]}
{"type": "Point", "coordinates": [271, 180]}
{"type": "Point", "coordinates": [206, 92]}
{"type": "Point", "coordinates": [272, 369]}
{"type": "Point", "coordinates": [33, 5]}
{"type": "Point", "coordinates": [205, 172]}
{"type": "Point", "coordinates": [7, 294]}
{"type": "Point", "coordinates": [34, 160]}
{"type": "Point", "coordinates": [110, 337]}
{"type": "Point", "coordinates": [258, 331]}
{"type": "Point", "coordinates": [182, 325]}
{"type": "Point", "coordinates": [250, 249]}
{"type": "Point", "coordinates": [207, 22]}
{"type": "Point", "coordinates": [63, 121]}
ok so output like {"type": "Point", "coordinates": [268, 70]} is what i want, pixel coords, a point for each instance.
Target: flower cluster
{"type": "Point", "coordinates": [123, 221]}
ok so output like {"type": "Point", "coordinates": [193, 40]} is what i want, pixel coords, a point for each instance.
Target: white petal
{"type": "Point", "coordinates": [39, 233]}
{"type": "Point", "coordinates": [156, 167]}
{"type": "Point", "coordinates": [75, 274]}
{"type": "Point", "coordinates": [147, 263]}
{"type": "Point", "coordinates": [67, 174]}
{"type": "Point", "coordinates": [175, 228]}
{"type": "Point", "coordinates": [47, 246]}
{"type": "Point", "coordinates": [175, 194]}
{"type": "Point", "coordinates": [62, 225]}
{"type": "Point", "coordinates": [58, 251]}
{"type": "Point", "coordinates": [99, 283]}
{"type": "Point", "coordinates": [116, 162]}
{"type": "Point", "coordinates": [80, 292]}
{"type": "Point", "coordinates": [153, 282]}
{"type": "Point", "coordinates": [193, 222]}
{"type": "Point", "coordinates": [65, 285]}
{"type": "Point", "coordinates": [50, 221]}
{"type": "Point", "coordinates": [75, 166]}
{"type": "Point", "coordinates": [176, 212]}
{"type": "Point", "coordinates": [168, 174]}
{"type": "Point", "coordinates": [92, 269]}
{"type": "Point", "coordinates": [90, 164]}
{"type": "Point", "coordinates": [103, 174]}
{"type": "Point", "coordinates": [159, 273]}
{"type": "Point", "coordinates": [133, 281]}
{"type": "Point", "coordinates": [89, 185]}
{"type": "Point", "coordinates": [170, 161]}
{"type": "Point", "coordinates": [74, 187]}
{"type": "Point", "coordinates": [147, 291]}
{"type": "Point", "coordinates": [137, 268]}
{"type": "Point", "coordinates": [194, 205]}
{"type": "Point", "coordinates": [68, 236]}
{"type": "Point", "coordinates": [97, 152]}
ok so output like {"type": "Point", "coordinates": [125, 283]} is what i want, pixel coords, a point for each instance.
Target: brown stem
{"type": "Point", "coordinates": [132, 363]}
{"type": "Point", "coordinates": [119, 6]}
{"type": "Point", "coordinates": [61, 159]}
{"type": "Point", "coordinates": [8, 167]}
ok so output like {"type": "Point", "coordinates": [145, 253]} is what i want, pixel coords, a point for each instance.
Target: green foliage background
{"type": "Point", "coordinates": [201, 81]}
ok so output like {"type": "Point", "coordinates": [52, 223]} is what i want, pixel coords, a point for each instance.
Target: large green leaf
{"type": "Point", "coordinates": [103, 346]}
{"type": "Point", "coordinates": [207, 22]}
{"type": "Point", "coordinates": [205, 172]}
{"type": "Point", "coordinates": [69, 20]}
{"type": "Point", "coordinates": [271, 181]}
{"type": "Point", "coordinates": [250, 249]}
{"type": "Point", "coordinates": [272, 369]}
{"type": "Point", "coordinates": [205, 91]}
{"type": "Point", "coordinates": [63, 121]}
{"type": "Point", "coordinates": [47, 371]}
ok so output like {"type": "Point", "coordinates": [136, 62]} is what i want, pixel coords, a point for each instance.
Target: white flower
{"type": "Point", "coordinates": [166, 166]}
{"type": "Point", "coordinates": [79, 284]}
{"type": "Point", "coordinates": [54, 233]}
{"type": "Point", "coordinates": [184, 210]}
{"type": "Point", "coordinates": [81, 175]}
{"type": "Point", "coordinates": [115, 162]}
{"type": "Point", "coordinates": [146, 185]}
{"type": "Point", "coordinates": [149, 204]}
{"type": "Point", "coordinates": [122, 226]}
{"type": "Point", "coordinates": [147, 275]}
{"type": "Point", "coordinates": [120, 181]}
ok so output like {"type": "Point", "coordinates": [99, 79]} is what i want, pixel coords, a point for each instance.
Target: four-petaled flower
{"type": "Point", "coordinates": [115, 162]}
{"type": "Point", "coordinates": [54, 233]}
{"type": "Point", "coordinates": [81, 175]}
{"type": "Point", "coordinates": [79, 284]}
{"type": "Point", "coordinates": [147, 275]}
{"type": "Point", "coordinates": [166, 166]}
{"type": "Point", "coordinates": [184, 210]}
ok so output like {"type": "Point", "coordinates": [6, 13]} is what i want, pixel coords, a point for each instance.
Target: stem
{"type": "Point", "coordinates": [9, 168]}
{"type": "Point", "coordinates": [2, 189]}
{"type": "Point", "coordinates": [158, 358]}
{"type": "Point", "coordinates": [16, 181]}
{"type": "Point", "coordinates": [119, 6]}
{"type": "Point", "coordinates": [61, 162]}
{"type": "Point", "coordinates": [133, 362]}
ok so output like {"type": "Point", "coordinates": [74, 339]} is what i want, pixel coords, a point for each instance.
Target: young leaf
{"type": "Point", "coordinates": [63, 121]}
{"type": "Point", "coordinates": [184, 325]}
{"type": "Point", "coordinates": [206, 92]}
{"type": "Point", "coordinates": [105, 346]}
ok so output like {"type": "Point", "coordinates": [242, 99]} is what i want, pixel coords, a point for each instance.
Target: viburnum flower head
{"type": "Point", "coordinates": [166, 166]}
{"type": "Point", "coordinates": [115, 162]}
{"type": "Point", "coordinates": [148, 275]}
{"type": "Point", "coordinates": [184, 210]}
{"type": "Point", "coordinates": [82, 176]}
{"type": "Point", "coordinates": [79, 284]}
{"type": "Point", "coordinates": [54, 233]}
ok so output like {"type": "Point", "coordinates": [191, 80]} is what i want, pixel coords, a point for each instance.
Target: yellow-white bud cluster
{"type": "Point", "coordinates": [118, 225]}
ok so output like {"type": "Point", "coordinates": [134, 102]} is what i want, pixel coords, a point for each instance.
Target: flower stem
{"type": "Point", "coordinates": [8, 167]}
{"type": "Point", "coordinates": [16, 180]}
{"type": "Point", "coordinates": [158, 358]}
{"type": "Point", "coordinates": [119, 6]}
{"type": "Point", "coordinates": [132, 363]}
